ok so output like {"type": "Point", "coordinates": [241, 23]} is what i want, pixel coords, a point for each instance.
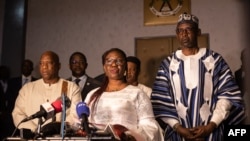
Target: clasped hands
{"type": "Point", "coordinates": [197, 133]}
{"type": "Point", "coordinates": [120, 130]}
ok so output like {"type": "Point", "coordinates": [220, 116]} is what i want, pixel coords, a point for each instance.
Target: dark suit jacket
{"type": "Point", "coordinates": [2, 101]}
{"type": "Point", "coordinates": [240, 79]}
{"type": "Point", "coordinates": [90, 84]}
{"type": "Point", "coordinates": [3, 128]}
{"type": "Point", "coordinates": [100, 77]}
{"type": "Point", "coordinates": [14, 85]}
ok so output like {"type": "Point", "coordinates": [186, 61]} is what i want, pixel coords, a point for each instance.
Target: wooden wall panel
{"type": "Point", "coordinates": [151, 51]}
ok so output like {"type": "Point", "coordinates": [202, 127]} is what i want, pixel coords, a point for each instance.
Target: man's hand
{"type": "Point", "coordinates": [184, 132]}
{"type": "Point", "coordinates": [202, 131]}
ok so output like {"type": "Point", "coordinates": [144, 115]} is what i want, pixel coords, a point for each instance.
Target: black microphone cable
{"type": "Point", "coordinates": [14, 132]}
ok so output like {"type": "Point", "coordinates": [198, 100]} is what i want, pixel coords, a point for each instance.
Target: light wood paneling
{"type": "Point", "coordinates": [151, 51]}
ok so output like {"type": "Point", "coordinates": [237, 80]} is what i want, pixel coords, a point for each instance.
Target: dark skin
{"type": "Point", "coordinates": [197, 133]}
{"type": "Point", "coordinates": [115, 69]}
{"type": "Point", "coordinates": [114, 72]}
{"type": "Point", "coordinates": [27, 68]}
{"type": "Point", "coordinates": [133, 73]}
{"type": "Point", "coordinates": [114, 66]}
{"type": "Point", "coordinates": [78, 65]}
{"type": "Point", "coordinates": [49, 67]}
{"type": "Point", "coordinates": [187, 35]}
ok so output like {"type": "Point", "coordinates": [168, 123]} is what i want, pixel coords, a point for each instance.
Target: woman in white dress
{"type": "Point", "coordinates": [120, 105]}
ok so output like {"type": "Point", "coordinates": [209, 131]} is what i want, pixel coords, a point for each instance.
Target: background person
{"type": "Point", "coordinates": [240, 76]}
{"type": "Point", "coordinates": [14, 85]}
{"type": "Point", "coordinates": [122, 105]}
{"type": "Point", "coordinates": [4, 77]}
{"type": "Point", "coordinates": [78, 65]}
{"type": "Point", "coordinates": [241, 72]}
{"type": "Point", "coordinates": [134, 68]}
{"type": "Point", "coordinates": [194, 93]}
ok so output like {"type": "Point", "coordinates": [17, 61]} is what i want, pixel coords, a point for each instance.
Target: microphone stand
{"type": "Point", "coordinates": [39, 127]}
{"type": "Point", "coordinates": [63, 117]}
{"type": "Point", "coordinates": [40, 122]}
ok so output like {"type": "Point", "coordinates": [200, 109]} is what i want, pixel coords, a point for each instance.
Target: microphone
{"type": "Point", "coordinates": [66, 99]}
{"type": "Point", "coordinates": [47, 111]}
{"type": "Point", "coordinates": [83, 112]}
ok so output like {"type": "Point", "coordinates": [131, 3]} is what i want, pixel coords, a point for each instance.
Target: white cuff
{"type": "Point", "coordinates": [170, 121]}
{"type": "Point", "coordinates": [221, 111]}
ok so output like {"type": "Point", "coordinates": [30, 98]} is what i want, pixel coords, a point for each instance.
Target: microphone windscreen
{"type": "Point", "coordinates": [46, 110]}
{"type": "Point", "coordinates": [82, 108]}
{"type": "Point", "coordinates": [66, 99]}
{"type": "Point", "coordinates": [57, 106]}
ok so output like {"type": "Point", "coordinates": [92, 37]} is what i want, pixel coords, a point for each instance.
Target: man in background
{"type": "Point", "coordinates": [241, 72]}
{"type": "Point", "coordinates": [14, 85]}
{"type": "Point", "coordinates": [4, 77]}
{"type": "Point", "coordinates": [78, 65]}
{"type": "Point", "coordinates": [241, 79]}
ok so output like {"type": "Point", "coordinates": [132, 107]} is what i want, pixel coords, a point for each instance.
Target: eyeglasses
{"type": "Point", "coordinates": [77, 62]}
{"type": "Point", "coordinates": [186, 30]}
{"type": "Point", "coordinates": [110, 61]}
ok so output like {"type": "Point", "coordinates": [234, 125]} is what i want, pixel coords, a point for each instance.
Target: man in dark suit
{"type": "Point", "coordinates": [14, 85]}
{"type": "Point", "coordinates": [100, 77]}
{"type": "Point", "coordinates": [78, 65]}
{"type": "Point", "coordinates": [4, 77]}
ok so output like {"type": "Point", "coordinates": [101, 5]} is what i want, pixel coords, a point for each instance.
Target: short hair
{"type": "Point", "coordinates": [135, 60]}
{"type": "Point", "coordinates": [53, 55]}
{"type": "Point", "coordinates": [28, 61]}
{"type": "Point", "coordinates": [78, 53]}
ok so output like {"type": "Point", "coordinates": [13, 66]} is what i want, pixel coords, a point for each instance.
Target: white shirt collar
{"type": "Point", "coordinates": [28, 77]}
{"type": "Point", "coordinates": [82, 78]}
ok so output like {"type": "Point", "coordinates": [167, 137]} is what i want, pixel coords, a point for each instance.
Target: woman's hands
{"type": "Point", "coordinates": [119, 129]}
{"type": "Point", "coordinates": [121, 132]}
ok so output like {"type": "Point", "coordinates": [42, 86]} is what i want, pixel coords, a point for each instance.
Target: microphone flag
{"type": "Point", "coordinates": [47, 110]}
{"type": "Point", "coordinates": [83, 113]}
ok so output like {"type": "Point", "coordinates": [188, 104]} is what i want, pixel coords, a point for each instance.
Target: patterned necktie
{"type": "Point", "coordinates": [77, 81]}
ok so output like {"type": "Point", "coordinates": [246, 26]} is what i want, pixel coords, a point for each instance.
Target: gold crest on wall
{"type": "Point", "coordinates": [159, 12]}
